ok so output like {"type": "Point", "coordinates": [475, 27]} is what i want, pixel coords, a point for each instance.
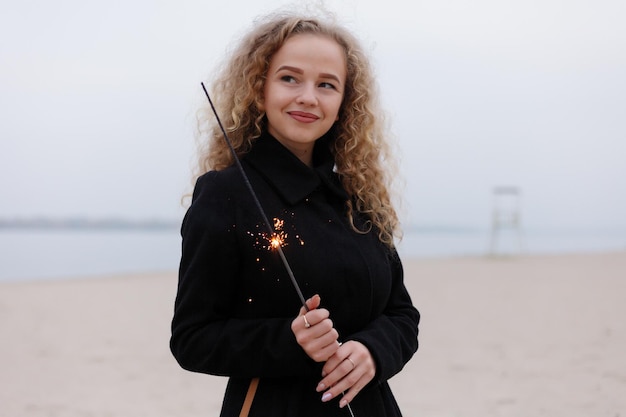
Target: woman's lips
{"type": "Point", "coordinates": [303, 117]}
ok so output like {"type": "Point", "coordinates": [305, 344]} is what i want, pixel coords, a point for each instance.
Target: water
{"type": "Point", "coordinates": [454, 243]}
{"type": "Point", "coordinates": [53, 254]}
{"type": "Point", "coordinates": [31, 254]}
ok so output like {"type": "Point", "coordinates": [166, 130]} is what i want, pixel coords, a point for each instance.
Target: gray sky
{"type": "Point", "coordinates": [98, 98]}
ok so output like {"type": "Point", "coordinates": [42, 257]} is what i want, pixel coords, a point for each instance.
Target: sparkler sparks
{"type": "Point", "coordinates": [279, 236]}
{"type": "Point", "coordinates": [278, 239]}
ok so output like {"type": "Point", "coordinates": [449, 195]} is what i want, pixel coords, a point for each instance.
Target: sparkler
{"type": "Point", "coordinates": [275, 239]}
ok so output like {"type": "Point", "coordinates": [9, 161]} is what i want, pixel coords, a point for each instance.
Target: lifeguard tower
{"type": "Point", "coordinates": [506, 221]}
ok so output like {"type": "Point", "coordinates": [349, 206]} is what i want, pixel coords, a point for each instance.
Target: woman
{"type": "Point", "coordinates": [298, 103]}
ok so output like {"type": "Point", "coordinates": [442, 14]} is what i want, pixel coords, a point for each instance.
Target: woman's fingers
{"type": "Point", "coordinates": [314, 331]}
{"type": "Point", "coordinates": [319, 341]}
{"type": "Point", "coordinates": [347, 372]}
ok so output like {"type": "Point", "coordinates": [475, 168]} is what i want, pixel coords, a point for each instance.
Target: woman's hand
{"type": "Point", "coordinates": [314, 331]}
{"type": "Point", "coordinates": [347, 372]}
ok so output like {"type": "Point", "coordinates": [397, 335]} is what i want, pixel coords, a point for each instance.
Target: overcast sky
{"type": "Point", "coordinates": [97, 101]}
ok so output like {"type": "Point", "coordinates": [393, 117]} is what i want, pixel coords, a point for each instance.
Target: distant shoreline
{"type": "Point", "coordinates": [87, 224]}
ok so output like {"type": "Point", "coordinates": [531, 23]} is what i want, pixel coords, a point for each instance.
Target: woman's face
{"type": "Point", "coordinates": [303, 91]}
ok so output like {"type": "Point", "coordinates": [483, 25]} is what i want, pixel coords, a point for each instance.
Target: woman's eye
{"type": "Point", "coordinates": [288, 78]}
{"type": "Point", "coordinates": [327, 85]}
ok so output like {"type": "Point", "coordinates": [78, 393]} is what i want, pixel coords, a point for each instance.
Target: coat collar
{"type": "Point", "coordinates": [292, 179]}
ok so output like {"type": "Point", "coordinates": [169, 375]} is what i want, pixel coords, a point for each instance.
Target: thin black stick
{"type": "Point", "coordinates": [268, 225]}
{"type": "Point", "coordinates": [270, 229]}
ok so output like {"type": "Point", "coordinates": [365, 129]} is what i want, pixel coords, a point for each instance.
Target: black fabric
{"type": "Point", "coordinates": [235, 301]}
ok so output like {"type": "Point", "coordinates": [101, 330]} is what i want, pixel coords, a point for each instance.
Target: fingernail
{"type": "Point", "coordinates": [327, 396]}
{"type": "Point", "coordinates": [320, 387]}
{"type": "Point", "coordinates": [343, 403]}
{"type": "Point", "coordinates": [323, 374]}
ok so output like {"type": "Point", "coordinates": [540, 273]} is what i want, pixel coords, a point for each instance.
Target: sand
{"type": "Point", "coordinates": [517, 336]}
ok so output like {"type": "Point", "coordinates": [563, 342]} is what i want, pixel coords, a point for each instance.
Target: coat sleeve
{"type": "Point", "coordinates": [206, 335]}
{"type": "Point", "coordinates": [392, 337]}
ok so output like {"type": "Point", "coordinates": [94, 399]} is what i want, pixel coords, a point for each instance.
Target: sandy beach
{"type": "Point", "coordinates": [515, 336]}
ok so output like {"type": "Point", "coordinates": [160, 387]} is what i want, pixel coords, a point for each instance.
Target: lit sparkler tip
{"type": "Point", "coordinates": [275, 242]}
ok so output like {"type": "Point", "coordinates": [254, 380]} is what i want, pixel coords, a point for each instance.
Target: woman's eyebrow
{"type": "Point", "coordinates": [331, 76]}
{"type": "Point", "coordinates": [289, 68]}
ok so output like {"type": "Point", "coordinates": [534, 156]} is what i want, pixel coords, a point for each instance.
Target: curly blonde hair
{"type": "Point", "coordinates": [361, 150]}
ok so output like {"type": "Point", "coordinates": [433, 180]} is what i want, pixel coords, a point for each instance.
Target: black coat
{"type": "Point", "coordinates": [235, 301]}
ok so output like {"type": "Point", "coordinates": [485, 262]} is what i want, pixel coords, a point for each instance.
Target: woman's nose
{"type": "Point", "coordinates": [307, 95]}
